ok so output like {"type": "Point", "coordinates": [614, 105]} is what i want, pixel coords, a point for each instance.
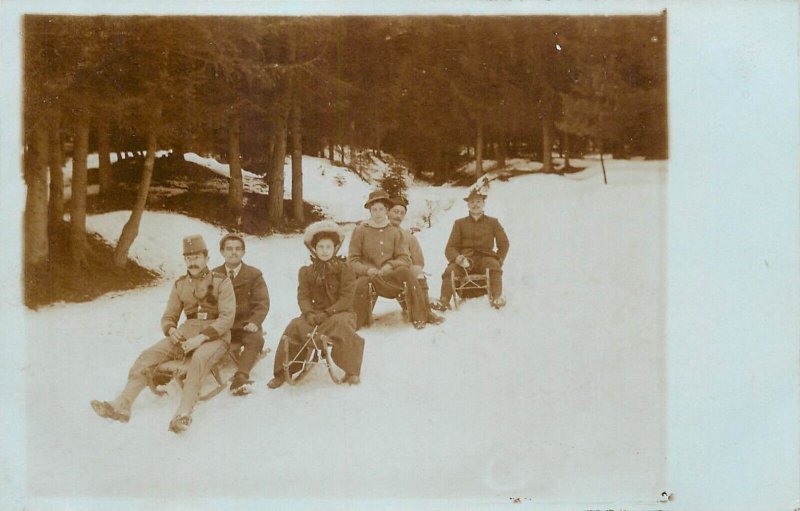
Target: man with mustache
{"type": "Point", "coordinates": [471, 248]}
{"type": "Point", "coordinates": [208, 300]}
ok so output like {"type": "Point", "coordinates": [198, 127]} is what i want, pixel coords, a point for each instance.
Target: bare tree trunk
{"type": "Point", "coordinates": [297, 162]}
{"type": "Point", "coordinates": [276, 171]}
{"type": "Point", "coordinates": [479, 150]}
{"type": "Point", "coordinates": [536, 145]}
{"type": "Point", "coordinates": [270, 152]}
{"type": "Point", "coordinates": [35, 219]}
{"type": "Point", "coordinates": [446, 172]}
{"type": "Point", "coordinates": [105, 177]}
{"type": "Point", "coordinates": [55, 156]}
{"type": "Point", "coordinates": [77, 222]}
{"type": "Point", "coordinates": [235, 186]}
{"type": "Point", "coordinates": [331, 151]}
{"type": "Point", "coordinates": [547, 145]}
{"type": "Point", "coordinates": [276, 179]}
{"type": "Point", "coordinates": [131, 229]}
{"type": "Point", "coordinates": [565, 143]}
{"type": "Point", "coordinates": [294, 113]}
{"type": "Point", "coordinates": [352, 141]}
{"type": "Point", "coordinates": [501, 151]}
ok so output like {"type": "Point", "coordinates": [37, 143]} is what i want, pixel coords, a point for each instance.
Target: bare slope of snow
{"type": "Point", "coordinates": [335, 190]}
{"type": "Point", "coordinates": [559, 396]}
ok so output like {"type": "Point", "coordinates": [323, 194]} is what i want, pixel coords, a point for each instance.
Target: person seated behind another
{"type": "Point", "coordinates": [471, 248]}
{"type": "Point", "coordinates": [208, 300]}
{"type": "Point", "coordinates": [379, 255]}
{"type": "Point", "coordinates": [252, 306]}
{"type": "Point", "coordinates": [396, 215]}
{"type": "Point", "coordinates": [325, 296]}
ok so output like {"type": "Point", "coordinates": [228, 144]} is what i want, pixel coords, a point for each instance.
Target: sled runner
{"type": "Point", "coordinates": [316, 347]}
{"type": "Point", "coordinates": [470, 285]}
{"type": "Point", "coordinates": [176, 370]}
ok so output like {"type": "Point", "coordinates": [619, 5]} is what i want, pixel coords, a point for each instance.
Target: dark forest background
{"type": "Point", "coordinates": [437, 92]}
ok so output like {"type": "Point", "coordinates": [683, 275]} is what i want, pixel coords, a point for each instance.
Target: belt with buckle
{"type": "Point", "coordinates": [201, 315]}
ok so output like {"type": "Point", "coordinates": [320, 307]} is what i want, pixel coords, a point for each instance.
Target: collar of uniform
{"type": "Point", "coordinates": [203, 273]}
{"type": "Point", "coordinates": [480, 217]}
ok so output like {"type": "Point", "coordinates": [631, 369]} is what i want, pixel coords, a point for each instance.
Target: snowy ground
{"type": "Point", "coordinates": [558, 397]}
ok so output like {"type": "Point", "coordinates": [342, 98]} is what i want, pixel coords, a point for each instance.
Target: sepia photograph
{"type": "Point", "coordinates": [339, 261]}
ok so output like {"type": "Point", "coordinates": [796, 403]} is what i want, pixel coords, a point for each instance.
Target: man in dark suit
{"type": "Point", "coordinates": [471, 247]}
{"type": "Point", "coordinates": [252, 305]}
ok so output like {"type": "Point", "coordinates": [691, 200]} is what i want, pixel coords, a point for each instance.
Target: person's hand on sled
{"type": "Point", "coordinates": [372, 272]}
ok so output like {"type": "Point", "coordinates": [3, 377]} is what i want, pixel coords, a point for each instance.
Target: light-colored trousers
{"type": "Point", "coordinates": [201, 361]}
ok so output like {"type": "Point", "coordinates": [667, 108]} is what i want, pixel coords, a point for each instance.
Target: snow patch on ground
{"type": "Point", "coordinates": [544, 398]}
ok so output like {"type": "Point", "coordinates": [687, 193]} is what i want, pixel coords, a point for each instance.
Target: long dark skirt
{"type": "Point", "coordinates": [347, 348]}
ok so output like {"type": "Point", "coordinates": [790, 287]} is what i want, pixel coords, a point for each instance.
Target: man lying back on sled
{"type": "Point", "coordinates": [209, 302]}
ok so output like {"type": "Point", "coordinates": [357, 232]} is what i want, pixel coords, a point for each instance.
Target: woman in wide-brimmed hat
{"type": "Point", "coordinates": [325, 295]}
{"type": "Point", "coordinates": [379, 254]}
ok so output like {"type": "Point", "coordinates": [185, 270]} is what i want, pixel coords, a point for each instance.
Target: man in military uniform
{"type": "Point", "coordinates": [471, 248]}
{"type": "Point", "coordinates": [209, 303]}
{"type": "Point", "coordinates": [252, 306]}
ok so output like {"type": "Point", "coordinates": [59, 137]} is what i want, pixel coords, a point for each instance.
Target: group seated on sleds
{"type": "Point", "coordinates": [224, 307]}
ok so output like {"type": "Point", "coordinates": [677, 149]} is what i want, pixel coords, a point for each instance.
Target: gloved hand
{"type": "Point", "coordinates": [320, 317]}
{"type": "Point", "coordinates": [385, 269]}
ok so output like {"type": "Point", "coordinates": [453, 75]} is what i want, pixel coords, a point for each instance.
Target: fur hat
{"type": "Point", "coordinates": [323, 226]}
{"type": "Point", "coordinates": [378, 195]}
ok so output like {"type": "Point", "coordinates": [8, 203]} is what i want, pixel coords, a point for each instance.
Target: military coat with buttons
{"type": "Point", "coordinates": [209, 295]}
{"type": "Point", "coordinates": [477, 237]}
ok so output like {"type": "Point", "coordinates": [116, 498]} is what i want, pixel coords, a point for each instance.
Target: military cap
{"type": "Point", "coordinates": [194, 244]}
{"type": "Point", "coordinates": [475, 194]}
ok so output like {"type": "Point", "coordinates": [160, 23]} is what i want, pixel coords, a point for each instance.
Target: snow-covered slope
{"type": "Point", "coordinates": [335, 190]}
{"type": "Point", "coordinates": [559, 396]}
